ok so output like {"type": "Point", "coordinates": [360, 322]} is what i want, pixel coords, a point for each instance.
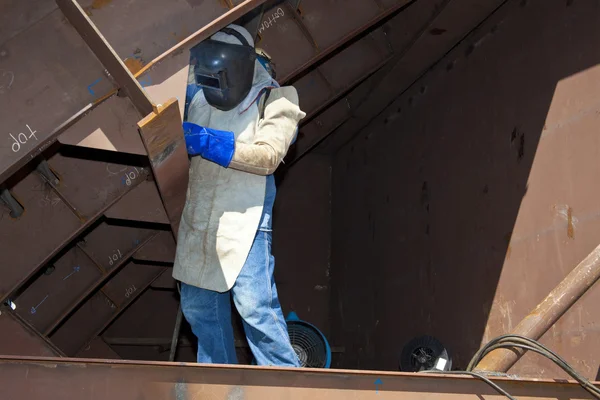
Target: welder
{"type": "Point", "coordinates": [238, 126]}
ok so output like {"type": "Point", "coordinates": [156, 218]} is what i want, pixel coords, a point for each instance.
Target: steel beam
{"type": "Point", "coordinates": [67, 209]}
{"type": "Point", "coordinates": [159, 250]}
{"type": "Point", "coordinates": [160, 130]}
{"type": "Point", "coordinates": [107, 56]}
{"type": "Point", "coordinates": [541, 318]}
{"type": "Point", "coordinates": [346, 39]}
{"type": "Point", "coordinates": [162, 134]}
{"type": "Point", "coordinates": [305, 146]}
{"type": "Point", "coordinates": [205, 32]}
{"type": "Point", "coordinates": [375, 103]}
{"type": "Point", "coordinates": [53, 379]}
{"type": "Point", "coordinates": [104, 307]}
{"type": "Point", "coordinates": [104, 277]}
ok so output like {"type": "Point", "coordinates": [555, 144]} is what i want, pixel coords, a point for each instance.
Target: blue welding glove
{"type": "Point", "coordinates": [211, 144]}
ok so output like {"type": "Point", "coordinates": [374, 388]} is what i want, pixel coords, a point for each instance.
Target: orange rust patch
{"type": "Point", "coordinates": [134, 64]}
{"type": "Point", "coordinates": [227, 3]}
{"type": "Point", "coordinates": [98, 4]}
{"type": "Point", "coordinates": [570, 227]}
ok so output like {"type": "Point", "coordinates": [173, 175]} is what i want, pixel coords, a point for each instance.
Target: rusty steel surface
{"type": "Point", "coordinates": [313, 91]}
{"type": "Point", "coordinates": [159, 249]}
{"type": "Point", "coordinates": [28, 98]}
{"type": "Point", "coordinates": [141, 204]}
{"type": "Point", "coordinates": [125, 292]}
{"type": "Point", "coordinates": [110, 244]}
{"type": "Point", "coordinates": [162, 135]}
{"type": "Point", "coordinates": [280, 23]}
{"type": "Point", "coordinates": [318, 17]}
{"type": "Point", "coordinates": [19, 339]}
{"type": "Point", "coordinates": [313, 132]}
{"type": "Point", "coordinates": [434, 27]}
{"type": "Point", "coordinates": [342, 70]}
{"type": "Point", "coordinates": [139, 46]}
{"type": "Point", "coordinates": [84, 324]}
{"type": "Point", "coordinates": [481, 176]}
{"type": "Point", "coordinates": [90, 184]}
{"type": "Point", "coordinates": [133, 278]}
{"type": "Point", "coordinates": [317, 23]}
{"type": "Point", "coordinates": [165, 281]}
{"type": "Point", "coordinates": [98, 348]}
{"type": "Point", "coordinates": [107, 56]}
{"type": "Point", "coordinates": [43, 91]}
{"type": "Point", "coordinates": [96, 313]}
{"type": "Point", "coordinates": [55, 213]}
{"type": "Point", "coordinates": [50, 379]}
{"type": "Point", "coordinates": [44, 212]}
{"type": "Point", "coordinates": [548, 312]}
{"type": "Point", "coordinates": [395, 86]}
{"type": "Point", "coordinates": [101, 238]}
{"type": "Point", "coordinates": [324, 85]}
{"type": "Point", "coordinates": [57, 288]}
{"type": "Point", "coordinates": [166, 75]}
{"type": "Point", "coordinates": [136, 322]}
{"type": "Point", "coordinates": [163, 27]}
{"type": "Point", "coordinates": [111, 125]}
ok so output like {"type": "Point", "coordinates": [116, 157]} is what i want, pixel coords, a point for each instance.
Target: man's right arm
{"type": "Point", "coordinates": [274, 135]}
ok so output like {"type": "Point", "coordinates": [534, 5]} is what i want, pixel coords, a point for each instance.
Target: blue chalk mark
{"type": "Point", "coordinates": [34, 309]}
{"type": "Point", "coordinates": [146, 81]}
{"type": "Point", "coordinates": [90, 86]}
{"type": "Point", "coordinates": [378, 383]}
{"type": "Point", "coordinates": [75, 270]}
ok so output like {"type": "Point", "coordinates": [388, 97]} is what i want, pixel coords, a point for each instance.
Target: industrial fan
{"type": "Point", "coordinates": [425, 353]}
{"type": "Point", "coordinates": [308, 342]}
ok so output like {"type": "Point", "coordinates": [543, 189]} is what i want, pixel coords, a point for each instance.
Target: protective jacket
{"type": "Point", "coordinates": [224, 205]}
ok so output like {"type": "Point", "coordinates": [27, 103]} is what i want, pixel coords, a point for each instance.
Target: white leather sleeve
{"type": "Point", "coordinates": [274, 134]}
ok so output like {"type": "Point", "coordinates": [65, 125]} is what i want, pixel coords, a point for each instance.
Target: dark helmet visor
{"type": "Point", "coordinates": [224, 71]}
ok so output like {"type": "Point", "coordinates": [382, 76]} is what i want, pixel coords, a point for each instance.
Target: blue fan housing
{"type": "Point", "coordinates": [308, 342]}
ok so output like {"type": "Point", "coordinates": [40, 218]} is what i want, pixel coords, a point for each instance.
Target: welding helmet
{"type": "Point", "coordinates": [223, 66]}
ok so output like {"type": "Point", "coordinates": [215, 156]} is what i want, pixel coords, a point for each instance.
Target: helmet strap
{"type": "Point", "coordinates": [238, 35]}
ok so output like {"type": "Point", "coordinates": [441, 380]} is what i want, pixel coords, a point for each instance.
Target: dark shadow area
{"type": "Point", "coordinates": [426, 198]}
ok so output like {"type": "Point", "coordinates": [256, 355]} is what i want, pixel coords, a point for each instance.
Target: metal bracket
{"type": "Point", "coordinates": [16, 209]}
{"type": "Point", "coordinates": [44, 169]}
{"type": "Point", "coordinates": [295, 4]}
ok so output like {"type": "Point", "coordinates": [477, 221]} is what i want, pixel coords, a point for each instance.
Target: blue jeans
{"type": "Point", "coordinates": [255, 298]}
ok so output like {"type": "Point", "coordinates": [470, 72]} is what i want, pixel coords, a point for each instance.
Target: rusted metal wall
{"type": "Point", "coordinates": [473, 194]}
{"type": "Point", "coordinates": [302, 240]}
